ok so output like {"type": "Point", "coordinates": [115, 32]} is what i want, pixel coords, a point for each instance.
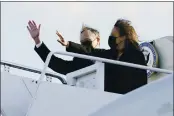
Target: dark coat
{"type": "Point", "coordinates": [118, 79]}
{"type": "Point", "coordinates": [62, 66]}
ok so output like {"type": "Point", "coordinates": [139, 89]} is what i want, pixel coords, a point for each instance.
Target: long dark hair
{"type": "Point", "coordinates": [127, 30]}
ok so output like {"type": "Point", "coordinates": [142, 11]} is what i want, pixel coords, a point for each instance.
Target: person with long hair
{"type": "Point", "coordinates": [123, 42]}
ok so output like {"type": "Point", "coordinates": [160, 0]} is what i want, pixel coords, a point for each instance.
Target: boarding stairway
{"type": "Point", "coordinates": [82, 93]}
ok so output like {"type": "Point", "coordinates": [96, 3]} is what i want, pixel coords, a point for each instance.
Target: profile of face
{"type": "Point", "coordinates": [87, 37]}
{"type": "Point", "coordinates": [116, 33]}
{"type": "Point", "coordinates": [115, 39]}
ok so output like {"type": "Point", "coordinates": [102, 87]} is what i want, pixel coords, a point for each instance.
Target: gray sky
{"type": "Point", "coordinates": [151, 21]}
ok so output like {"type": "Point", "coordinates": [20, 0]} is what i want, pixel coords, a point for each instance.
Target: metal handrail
{"type": "Point", "coordinates": [13, 65]}
{"type": "Point", "coordinates": [101, 60]}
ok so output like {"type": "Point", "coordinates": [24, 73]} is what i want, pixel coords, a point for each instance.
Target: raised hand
{"type": "Point", "coordinates": [61, 39]}
{"type": "Point", "coordinates": [34, 31]}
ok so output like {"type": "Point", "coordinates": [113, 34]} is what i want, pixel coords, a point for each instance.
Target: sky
{"type": "Point", "coordinates": [152, 20]}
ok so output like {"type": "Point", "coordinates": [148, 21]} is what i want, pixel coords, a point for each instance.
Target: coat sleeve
{"type": "Point", "coordinates": [57, 64]}
{"type": "Point", "coordinates": [81, 49]}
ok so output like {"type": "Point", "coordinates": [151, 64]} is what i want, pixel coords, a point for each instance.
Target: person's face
{"type": "Point", "coordinates": [115, 32]}
{"type": "Point", "coordinates": [119, 40]}
{"type": "Point", "coordinates": [87, 35]}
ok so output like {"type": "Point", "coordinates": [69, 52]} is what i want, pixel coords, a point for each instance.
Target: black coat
{"type": "Point", "coordinates": [62, 66]}
{"type": "Point", "coordinates": [118, 79]}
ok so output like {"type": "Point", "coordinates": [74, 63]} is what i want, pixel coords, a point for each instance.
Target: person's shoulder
{"type": "Point", "coordinates": [140, 56]}
{"type": "Point", "coordinates": [136, 56]}
{"type": "Point", "coordinates": [138, 52]}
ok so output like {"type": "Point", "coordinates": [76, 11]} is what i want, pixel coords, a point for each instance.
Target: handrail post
{"type": "Point", "coordinates": [40, 79]}
{"type": "Point", "coordinates": [100, 75]}
{"type": "Point", "coordinates": [46, 65]}
{"type": "Point", "coordinates": [43, 71]}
